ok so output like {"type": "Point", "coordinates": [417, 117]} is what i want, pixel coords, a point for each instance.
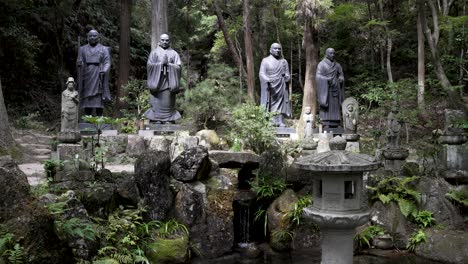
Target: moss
{"type": "Point", "coordinates": [14, 151]}
{"type": "Point", "coordinates": [220, 202]}
{"type": "Point", "coordinates": [173, 250]}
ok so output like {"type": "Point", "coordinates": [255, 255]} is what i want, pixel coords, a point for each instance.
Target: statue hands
{"type": "Point", "coordinates": [165, 61]}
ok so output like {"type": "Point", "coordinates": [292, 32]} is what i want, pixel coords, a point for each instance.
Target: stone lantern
{"type": "Point", "coordinates": [340, 203]}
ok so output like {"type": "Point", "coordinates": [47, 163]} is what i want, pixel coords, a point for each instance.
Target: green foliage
{"type": "Point", "coordinates": [100, 121]}
{"type": "Point", "coordinates": [295, 215]}
{"type": "Point", "coordinates": [136, 98]}
{"type": "Point", "coordinates": [51, 166]}
{"type": "Point", "coordinates": [396, 189]}
{"type": "Point", "coordinates": [40, 189]}
{"type": "Point", "coordinates": [424, 219]}
{"type": "Point", "coordinates": [458, 196]}
{"type": "Point", "coordinates": [416, 238]}
{"type": "Point", "coordinates": [282, 235]}
{"type": "Point", "coordinates": [267, 187]}
{"type": "Point", "coordinates": [170, 229]}
{"type": "Point", "coordinates": [76, 227]}
{"type": "Point", "coordinates": [296, 102]}
{"type": "Point", "coordinates": [29, 121]}
{"type": "Point", "coordinates": [211, 97]}
{"type": "Point", "coordinates": [10, 251]}
{"type": "Point", "coordinates": [252, 124]}
{"type": "Point", "coordinates": [57, 208]}
{"type": "Point", "coordinates": [262, 214]}
{"type": "Point", "coordinates": [364, 237]}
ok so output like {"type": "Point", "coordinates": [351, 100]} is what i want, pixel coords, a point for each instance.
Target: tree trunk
{"type": "Point", "coordinates": [6, 139]}
{"type": "Point", "coordinates": [389, 53]}
{"type": "Point", "coordinates": [124, 50]}
{"type": "Point", "coordinates": [421, 62]}
{"type": "Point", "coordinates": [232, 49]}
{"type": "Point", "coordinates": [159, 24]}
{"type": "Point", "coordinates": [248, 52]}
{"type": "Point", "coordinates": [311, 47]}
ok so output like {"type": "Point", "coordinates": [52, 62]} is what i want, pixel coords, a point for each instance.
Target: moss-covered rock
{"type": "Point", "coordinates": [169, 250]}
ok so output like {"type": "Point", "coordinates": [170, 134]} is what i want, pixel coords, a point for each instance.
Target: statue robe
{"type": "Point", "coordinates": [164, 83]}
{"type": "Point", "coordinates": [92, 89]}
{"type": "Point", "coordinates": [330, 92]}
{"type": "Point", "coordinates": [69, 111]}
{"type": "Point", "coordinates": [274, 77]}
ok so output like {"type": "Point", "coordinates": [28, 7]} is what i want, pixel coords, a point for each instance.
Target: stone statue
{"type": "Point", "coordinates": [330, 90]}
{"type": "Point", "coordinates": [70, 102]}
{"type": "Point", "coordinates": [93, 65]}
{"type": "Point", "coordinates": [308, 122]}
{"type": "Point", "coordinates": [164, 82]}
{"type": "Point", "coordinates": [350, 110]}
{"type": "Point", "coordinates": [393, 127]}
{"type": "Point", "coordinates": [274, 78]}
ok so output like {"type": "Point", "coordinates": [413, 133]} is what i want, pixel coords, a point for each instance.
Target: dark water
{"type": "Point", "coordinates": [313, 257]}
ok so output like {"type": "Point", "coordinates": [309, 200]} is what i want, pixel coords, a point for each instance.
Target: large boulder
{"type": "Point", "coordinates": [433, 199]}
{"type": "Point", "coordinates": [272, 164]}
{"type": "Point", "coordinates": [27, 218]}
{"type": "Point", "coordinates": [190, 203]}
{"type": "Point", "coordinates": [447, 246]}
{"type": "Point", "coordinates": [191, 165]}
{"type": "Point", "coordinates": [208, 138]}
{"type": "Point", "coordinates": [152, 175]}
{"type": "Point", "coordinates": [277, 219]}
{"type": "Point", "coordinates": [180, 144]}
{"type": "Point", "coordinates": [135, 146]}
{"type": "Point", "coordinates": [390, 217]}
{"type": "Point", "coordinates": [214, 237]}
{"type": "Point", "coordinates": [230, 159]}
{"type": "Point", "coordinates": [160, 143]}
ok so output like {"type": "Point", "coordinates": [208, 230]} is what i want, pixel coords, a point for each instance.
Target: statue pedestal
{"type": "Point", "coordinates": [286, 133]}
{"type": "Point", "coordinates": [454, 158]}
{"type": "Point", "coordinates": [163, 129]}
{"type": "Point", "coordinates": [394, 159]}
{"type": "Point", "coordinates": [352, 142]}
{"type": "Point", "coordinates": [68, 151]}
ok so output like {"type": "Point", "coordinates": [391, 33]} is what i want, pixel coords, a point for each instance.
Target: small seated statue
{"type": "Point", "coordinates": [70, 102]}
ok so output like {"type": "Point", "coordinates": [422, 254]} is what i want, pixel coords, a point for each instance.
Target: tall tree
{"type": "Point", "coordinates": [421, 62]}
{"type": "Point", "coordinates": [159, 23]}
{"type": "Point", "coordinates": [124, 49]}
{"type": "Point", "coordinates": [310, 12]}
{"type": "Point", "coordinates": [248, 51]}
{"type": "Point", "coordinates": [432, 36]}
{"type": "Point", "coordinates": [6, 139]}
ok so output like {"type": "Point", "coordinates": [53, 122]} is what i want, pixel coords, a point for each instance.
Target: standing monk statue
{"type": "Point", "coordinates": [330, 90]}
{"type": "Point", "coordinates": [274, 78]}
{"type": "Point", "coordinates": [164, 82]}
{"type": "Point", "coordinates": [93, 65]}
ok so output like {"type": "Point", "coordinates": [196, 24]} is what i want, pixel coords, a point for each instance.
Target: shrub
{"type": "Point", "coordinates": [416, 238]}
{"type": "Point", "coordinates": [364, 237]}
{"type": "Point", "coordinates": [252, 124]}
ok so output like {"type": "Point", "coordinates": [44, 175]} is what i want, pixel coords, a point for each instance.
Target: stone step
{"type": "Point", "coordinates": [40, 157]}
{"type": "Point", "coordinates": [34, 139]}
{"type": "Point", "coordinates": [35, 146]}
{"type": "Point", "coordinates": [41, 152]}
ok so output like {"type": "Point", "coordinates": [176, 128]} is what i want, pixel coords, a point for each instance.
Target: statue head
{"type": "Point", "coordinates": [395, 107]}
{"type": "Point", "coordinates": [330, 54]}
{"type": "Point", "coordinates": [350, 108]}
{"type": "Point", "coordinates": [93, 37]}
{"type": "Point", "coordinates": [275, 50]}
{"type": "Point", "coordinates": [164, 41]}
{"type": "Point", "coordinates": [307, 110]}
{"type": "Point", "coordinates": [70, 83]}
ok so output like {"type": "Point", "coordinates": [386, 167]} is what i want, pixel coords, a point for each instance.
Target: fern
{"type": "Point", "coordinates": [76, 227]}
{"type": "Point", "coordinates": [15, 255]}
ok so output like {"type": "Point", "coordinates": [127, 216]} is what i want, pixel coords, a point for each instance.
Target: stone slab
{"type": "Point", "coordinates": [286, 132]}
{"type": "Point", "coordinates": [335, 131]}
{"type": "Point", "coordinates": [68, 151]}
{"type": "Point", "coordinates": [88, 126]}
{"type": "Point", "coordinates": [353, 146]}
{"type": "Point", "coordinates": [230, 159]}
{"type": "Point", "coordinates": [323, 141]}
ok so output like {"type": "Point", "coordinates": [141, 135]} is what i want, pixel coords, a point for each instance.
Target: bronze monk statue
{"type": "Point", "coordinates": [93, 65]}
{"type": "Point", "coordinates": [330, 90]}
{"type": "Point", "coordinates": [274, 78]}
{"type": "Point", "coordinates": [164, 82]}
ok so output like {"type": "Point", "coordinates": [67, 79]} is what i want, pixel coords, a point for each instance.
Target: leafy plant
{"type": "Point", "coordinates": [396, 189]}
{"type": "Point", "coordinates": [416, 238]}
{"type": "Point", "coordinates": [267, 188]}
{"type": "Point", "coordinates": [211, 97]}
{"type": "Point", "coordinates": [30, 121]}
{"type": "Point", "coordinates": [259, 214]}
{"type": "Point", "coordinates": [76, 227]}
{"type": "Point", "coordinates": [252, 124]}
{"type": "Point", "coordinates": [364, 237]}
{"type": "Point", "coordinates": [424, 219]}
{"type": "Point", "coordinates": [458, 196]}
{"type": "Point", "coordinates": [282, 235]}
{"type": "Point", "coordinates": [295, 215]}
{"type": "Point", "coordinates": [15, 255]}
{"type": "Point", "coordinates": [10, 252]}
{"type": "Point", "coordinates": [51, 166]}
{"type": "Point", "coordinates": [171, 228]}
{"type": "Point", "coordinates": [136, 99]}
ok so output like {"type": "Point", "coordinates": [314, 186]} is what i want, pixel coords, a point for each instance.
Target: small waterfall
{"type": "Point", "coordinates": [244, 213]}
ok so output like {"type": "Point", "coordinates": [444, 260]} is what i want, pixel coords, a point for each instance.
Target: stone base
{"type": "Point", "coordinates": [334, 130]}
{"type": "Point", "coordinates": [394, 165]}
{"type": "Point", "coordinates": [455, 157]}
{"type": "Point", "coordinates": [456, 177]}
{"type": "Point", "coordinates": [323, 141]}
{"type": "Point", "coordinates": [353, 146]}
{"type": "Point", "coordinates": [286, 133]}
{"type": "Point", "coordinates": [68, 151]}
